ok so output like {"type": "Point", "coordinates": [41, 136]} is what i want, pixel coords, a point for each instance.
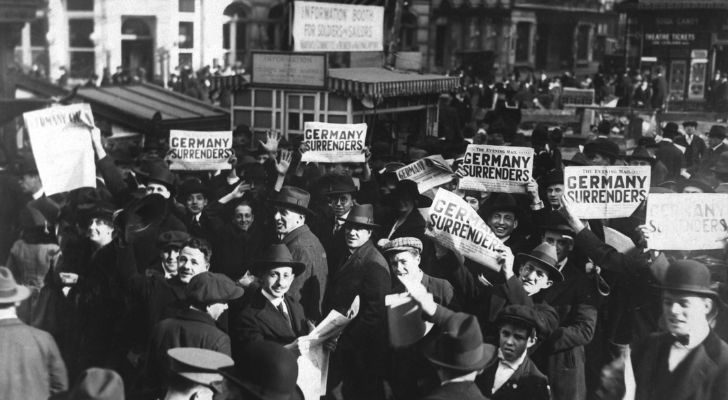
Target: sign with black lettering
{"type": "Point", "coordinates": [428, 172]}
{"type": "Point", "coordinates": [200, 151]}
{"type": "Point", "coordinates": [687, 221]}
{"type": "Point", "coordinates": [496, 168]}
{"type": "Point", "coordinates": [454, 224]}
{"type": "Point", "coordinates": [334, 143]}
{"type": "Point", "coordinates": [319, 26]}
{"type": "Point", "coordinates": [274, 69]}
{"type": "Point", "coordinates": [606, 192]}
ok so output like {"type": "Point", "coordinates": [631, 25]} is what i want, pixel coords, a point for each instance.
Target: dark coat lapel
{"type": "Point", "coordinates": [694, 369]}
{"type": "Point", "coordinates": [271, 317]}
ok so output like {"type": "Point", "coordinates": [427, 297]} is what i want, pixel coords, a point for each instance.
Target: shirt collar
{"type": "Point", "coordinates": [512, 364]}
{"type": "Point", "coordinates": [562, 264]}
{"type": "Point", "coordinates": [37, 195]}
{"type": "Point", "coordinates": [716, 147]}
{"type": "Point", "coordinates": [276, 301]}
{"type": "Point", "coordinates": [696, 337]}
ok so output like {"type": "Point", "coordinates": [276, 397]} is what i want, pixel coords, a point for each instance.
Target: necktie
{"type": "Point", "coordinates": [285, 315]}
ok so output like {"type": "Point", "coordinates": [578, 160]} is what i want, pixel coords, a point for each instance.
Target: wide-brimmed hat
{"type": "Point", "coordinates": [408, 189]}
{"type": "Point", "coordinates": [670, 130]}
{"type": "Point", "coordinates": [10, 291]}
{"type": "Point", "coordinates": [267, 371]}
{"type": "Point", "coordinates": [101, 210]}
{"type": "Point", "coordinates": [199, 365]}
{"type": "Point", "coordinates": [704, 183]}
{"type": "Point", "coordinates": [361, 214]}
{"type": "Point", "coordinates": [545, 256]}
{"type": "Point", "coordinates": [156, 171]}
{"type": "Point", "coordinates": [460, 346]}
{"type": "Point", "coordinates": [642, 154]}
{"type": "Point", "coordinates": [717, 131]}
{"type": "Point", "coordinates": [293, 198]}
{"type": "Point", "coordinates": [338, 184]}
{"type": "Point", "coordinates": [688, 276]}
{"type": "Point", "coordinates": [524, 316]}
{"type": "Point", "coordinates": [578, 159]}
{"type": "Point", "coordinates": [602, 146]}
{"type": "Point", "coordinates": [277, 255]}
{"type": "Point", "coordinates": [193, 185]}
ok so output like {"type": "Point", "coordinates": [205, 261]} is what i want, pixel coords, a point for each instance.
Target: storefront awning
{"type": "Point", "coordinates": [381, 82]}
{"type": "Point", "coordinates": [143, 107]}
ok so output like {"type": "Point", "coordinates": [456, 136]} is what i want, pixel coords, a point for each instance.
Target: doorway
{"type": "Point", "coordinates": [137, 47]}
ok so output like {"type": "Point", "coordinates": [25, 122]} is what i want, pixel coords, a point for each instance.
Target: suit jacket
{"type": "Point", "coordinates": [672, 157]}
{"type": "Point", "coordinates": [711, 157]}
{"type": "Point", "coordinates": [32, 366]}
{"type": "Point", "coordinates": [308, 287]}
{"type": "Point", "coordinates": [659, 92]}
{"type": "Point", "coordinates": [260, 320]}
{"type": "Point", "coordinates": [561, 356]}
{"type": "Point", "coordinates": [365, 274]}
{"type": "Point", "coordinates": [694, 151]}
{"type": "Point", "coordinates": [527, 382]}
{"type": "Point", "coordinates": [456, 391]}
{"type": "Point", "coordinates": [702, 375]}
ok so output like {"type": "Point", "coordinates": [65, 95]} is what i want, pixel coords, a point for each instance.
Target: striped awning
{"type": "Point", "coordinates": [229, 82]}
{"type": "Point", "coordinates": [381, 82]}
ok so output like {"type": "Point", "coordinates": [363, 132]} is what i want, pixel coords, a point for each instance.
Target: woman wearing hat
{"type": "Point", "coordinates": [270, 313]}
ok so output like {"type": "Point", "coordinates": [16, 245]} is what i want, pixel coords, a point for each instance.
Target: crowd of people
{"type": "Point", "coordinates": [194, 285]}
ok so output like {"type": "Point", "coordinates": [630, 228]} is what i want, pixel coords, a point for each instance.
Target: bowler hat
{"type": "Point", "coordinates": [361, 214]}
{"type": "Point", "coordinates": [703, 183]}
{"type": "Point", "coordinates": [408, 189]}
{"type": "Point", "coordinates": [268, 371]}
{"type": "Point", "coordinates": [277, 255]}
{"type": "Point", "coordinates": [502, 202]}
{"type": "Point", "coordinates": [192, 185]}
{"type": "Point", "coordinates": [198, 365]}
{"type": "Point", "coordinates": [670, 130]}
{"type": "Point", "coordinates": [460, 346]}
{"type": "Point", "coordinates": [641, 153]}
{"type": "Point", "coordinates": [553, 177]}
{"type": "Point", "coordinates": [690, 123]}
{"type": "Point", "coordinates": [578, 159]}
{"type": "Point", "coordinates": [172, 239]}
{"type": "Point", "coordinates": [717, 131]}
{"type": "Point", "coordinates": [524, 316]}
{"type": "Point", "coordinates": [293, 198]}
{"type": "Point", "coordinates": [545, 256]}
{"type": "Point", "coordinates": [338, 184]}
{"type": "Point", "coordinates": [209, 288]}
{"type": "Point", "coordinates": [402, 244]}
{"type": "Point", "coordinates": [95, 384]}
{"type": "Point", "coordinates": [10, 291]}
{"type": "Point", "coordinates": [688, 276]}
{"type": "Point", "coordinates": [602, 146]}
{"type": "Point", "coordinates": [556, 222]}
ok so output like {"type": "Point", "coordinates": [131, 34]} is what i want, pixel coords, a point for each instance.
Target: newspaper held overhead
{"type": "Point", "coordinates": [428, 172]}
{"type": "Point", "coordinates": [606, 192]}
{"type": "Point", "coordinates": [200, 150]}
{"type": "Point", "coordinates": [313, 366]}
{"type": "Point", "coordinates": [61, 142]}
{"type": "Point", "coordinates": [321, 26]}
{"type": "Point", "coordinates": [687, 221]}
{"type": "Point", "coordinates": [503, 169]}
{"type": "Point", "coordinates": [334, 143]}
{"type": "Point", "coordinates": [455, 225]}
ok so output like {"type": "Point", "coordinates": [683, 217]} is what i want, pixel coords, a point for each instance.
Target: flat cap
{"type": "Point", "coordinates": [402, 244]}
{"type": "Point", "coordinates": [522, 315]}
{"type": "Point", "coordinates": [172, 238]}
{"type": "Point", "coordinates": [198, 365]}
{"type": "Point", "coordinates": [210, 288]}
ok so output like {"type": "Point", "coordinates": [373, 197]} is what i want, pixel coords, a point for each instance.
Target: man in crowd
{"type": "Point", "coordinates": [291, 210]}
{"type": "Point", "coordinates": [339, 191]}
{"type": "Point", "coordinates": [694, 145]}
{"type": "Point", "coordinates": [194, 373]}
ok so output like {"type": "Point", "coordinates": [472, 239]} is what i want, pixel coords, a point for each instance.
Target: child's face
{"type": "Point", "coordinates": [514, 341]}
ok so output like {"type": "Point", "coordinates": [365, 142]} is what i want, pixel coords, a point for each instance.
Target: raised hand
{"type": "Point", "coordinates": [271, 142]}
{"type": "Point", "coordinates": [284, 163]}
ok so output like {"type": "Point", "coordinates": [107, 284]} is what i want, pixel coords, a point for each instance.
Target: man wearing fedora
{"type": "Point", "coordinates": [689, 360]}
{"type": "Point", "coordinates": [270, 313]}
{"type": "Point", "coordinates": [339, 191]}
{"type": "Point", "coordinates": [265, 371]}
{"type": "Point", "coordinates": [601, 152]}
{"type": "Point", "coordinates": [290, 213]}
{"type": "Point", "coordinates": [641, 157]}
{"type": "Point", "coordinates": [716, 146]}
{"type": "Point", "coordinates": [360, 357]}
{"type": "Point", "coordinates": [668, 153]}
{"type": "Point", "coordinates": [695, 146]}
{"type": "Point", "coordinates": [515, 376]}
{"type": "Point", "coordinates": [32, 367]}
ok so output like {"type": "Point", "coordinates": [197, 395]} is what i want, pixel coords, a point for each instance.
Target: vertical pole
{"type": "Point", "coordinates": [394, 32]}
{"type": "Point", "coordinates": [233, 31]}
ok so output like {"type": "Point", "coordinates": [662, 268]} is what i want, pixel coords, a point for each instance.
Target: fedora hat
{"type": "Point", "coordinates": [338, 184]}
{"type": "Point", "coordinates": [408, 189]}
{"type": "Point", "coordinates": [293, 198]}
{"type": "Point", "coordinates": [277, 255]}
{"type": "Point", "coordinates": [556, 222]}
{"type": "Point", "coordinates": [641, 153]}
{"type": "Point", "coordinates": [267, 371]}
{"type": "Point", "coordinates": [578, 159]}
{"type": "Point", "coordinates": [193, 185]}
{"type": "Point", "coordinates": [690, 123]}
{"type": "Point", "coordinates": [717, 131]}
{"type": "Point", "coordinates": [156, 171]}
{"type": "Point", "coordinates": [361, 214]}
{"type": "Point", "coordinates": [688, 276]}
{"type": "Point", "coordinates": [10, 291]}
{"type": "Point", "coordinates": [703, 183]}
{"type": "Point", "coordinates": [460, 345]}
{"type": "Point", "coordinates": [545, 256]}
{"type": "Point", "coordinates": [602, 146]}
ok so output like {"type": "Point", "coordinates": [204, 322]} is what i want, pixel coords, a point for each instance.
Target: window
{"type": "Point", "coordinates": [301, 109]}
{"type": "Point", "coordinates": [80, 5]}
{"type": "Point", "coordinates": [408, 32]}
{"type": "Point", "coordinates": [186, 5]}
{"type": "Point", "coordinates": [81, 48]}
{"type": "Point", "coordinates": [185, 60]}
{"type": "Point", "coordinates": [523, 42]}
{"type": "Point", "coordinates": [441, 35]}
{"type": "Point", "coordinates": [38, 31]}
{"type": "Point", "coordinates": [582, 42]}
{"type": "Point", "coordinates": [186, 35]}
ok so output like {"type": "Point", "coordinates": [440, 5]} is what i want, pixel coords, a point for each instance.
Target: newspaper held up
{"type": "Point", "coordinates": [428, 172]}
{"type": "Point", "coordinates": [502, 169]}
{"type": "Point", "coordinates": [599, 192]}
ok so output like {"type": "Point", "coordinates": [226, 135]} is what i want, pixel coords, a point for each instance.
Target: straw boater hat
{"type": "Point", "coordinates": [545, 256]}
{"type": "Point", "coordinates": [293, 198]}
{"type": "Point", "coordinates": [460, 346]}
{"type": "Point", "coordinates": [10, 291]}
{"type": "Point", "coordinates": [362, 215]}
{"type": "Point", "coordinates": [277, 255]}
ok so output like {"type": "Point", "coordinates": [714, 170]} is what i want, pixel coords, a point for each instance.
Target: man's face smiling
{"type": "Point", "coordinates": [277, 281]}
{"type": "Point", "coordinates": [195, 203]}
{"type": "Point", "coordinates": [503, 223]}
{"type": "Point", "coordinates": [190, 263]}
{"type": "Point", "coordinates": [684, 312]}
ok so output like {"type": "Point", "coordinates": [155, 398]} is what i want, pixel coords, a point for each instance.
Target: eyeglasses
{"type": "Point", "coordinates": [335, 199]}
